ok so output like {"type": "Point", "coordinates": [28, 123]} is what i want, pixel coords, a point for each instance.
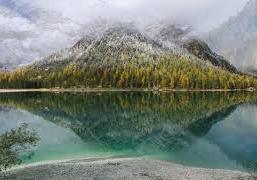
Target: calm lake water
{"type": "Point", "coordinates": [214, 130]}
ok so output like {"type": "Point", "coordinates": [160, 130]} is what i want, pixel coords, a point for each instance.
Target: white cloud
{"type": "Point", "coordinates": [22, 41]}
{"type": "Point", "coordinates": [34, 28]}
{"type": "Point", "coordinates": [197, 12]}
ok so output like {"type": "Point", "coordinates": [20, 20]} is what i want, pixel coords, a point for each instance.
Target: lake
{"type": "Point", "coordinates": [212, 130]}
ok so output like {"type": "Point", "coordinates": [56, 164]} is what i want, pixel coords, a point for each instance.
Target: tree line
{"type": "Point", "coordinates": [167, 72]}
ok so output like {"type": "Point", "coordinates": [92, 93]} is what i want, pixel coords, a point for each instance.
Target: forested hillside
{"type": "Point", "coordinates": [124, 57]}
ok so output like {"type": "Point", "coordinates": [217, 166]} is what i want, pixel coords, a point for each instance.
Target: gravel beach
{"type": "Point", "coordinates": [128, 168]}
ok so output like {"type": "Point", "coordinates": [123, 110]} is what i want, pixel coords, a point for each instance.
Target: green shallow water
{"type": "Point", "coordinates": [213, 130]}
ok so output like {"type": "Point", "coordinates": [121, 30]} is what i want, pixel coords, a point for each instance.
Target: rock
{"type": "Point", "coordinates": [251, 89]}
{"type": "Point", "coordinates": [201, 50]}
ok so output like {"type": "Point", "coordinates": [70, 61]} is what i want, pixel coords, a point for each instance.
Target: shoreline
{"type": "Point", "coordinates": [118, 168]}
{"type": "Point", "coordinates": [120, 90]}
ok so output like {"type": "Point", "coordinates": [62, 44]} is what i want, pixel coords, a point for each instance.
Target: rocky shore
{"type": "Point", "coordinates": [128, 168]}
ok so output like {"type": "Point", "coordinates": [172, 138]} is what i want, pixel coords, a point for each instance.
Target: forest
{"type": "Point", "coordinates": [165, 73]}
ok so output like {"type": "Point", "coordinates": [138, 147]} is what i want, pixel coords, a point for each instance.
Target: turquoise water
{"type": "Point", "coordinates": [214, 130]}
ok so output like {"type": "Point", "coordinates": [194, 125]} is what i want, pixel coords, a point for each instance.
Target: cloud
{"type": "Point", "coordinates": [30, 29]}
{"type": "Point", "coordinates": [23, 40]}
{"type": "Point", "coordinates": [200, 13]}
{"type": "Point", "coordinates": [197, 12]}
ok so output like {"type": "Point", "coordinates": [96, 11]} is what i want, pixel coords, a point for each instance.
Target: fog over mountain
{"type": "Point", "coordinates": [236, 39]}
{"type": "Point", "coordinates": [32, 29]}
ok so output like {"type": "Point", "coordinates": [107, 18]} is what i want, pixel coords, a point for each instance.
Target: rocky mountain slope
{"type": "Point", "coordinates": [122, 37]}
{"type": "Point", "coordinates": [236, 39]}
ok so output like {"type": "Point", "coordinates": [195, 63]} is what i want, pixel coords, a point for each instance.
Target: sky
{"type": "Point", "coordinates": [31, 29]}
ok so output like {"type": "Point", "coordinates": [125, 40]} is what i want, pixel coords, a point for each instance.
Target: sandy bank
{"type": "Point", "coordinates": [120, 90]}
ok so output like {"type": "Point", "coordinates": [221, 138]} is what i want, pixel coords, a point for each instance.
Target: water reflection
{"type": "Point", "coordinates": [237, 136]}
{"type": "Point", "coordinates": [189, 128]}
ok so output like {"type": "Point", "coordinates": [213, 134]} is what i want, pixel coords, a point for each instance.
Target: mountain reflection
{"type": "Point", "coordinates": [139, 123]}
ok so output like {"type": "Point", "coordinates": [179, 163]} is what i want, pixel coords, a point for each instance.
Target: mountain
{"type": "Point", "coordinates": [236, 39]}
{"type": "Point", "coordinates": [122, 56]}
{"type": "Point", "coordinates": [118, 38]}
